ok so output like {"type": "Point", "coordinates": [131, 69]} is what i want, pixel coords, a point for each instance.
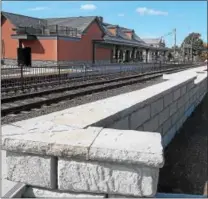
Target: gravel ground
{"type": "Point", "coordinates": [78, 101]}
{"type": "Point", "coordinates": [185, 169]}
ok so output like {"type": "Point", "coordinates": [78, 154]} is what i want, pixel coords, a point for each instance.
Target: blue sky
{"type": "Point", "coordinates": [147, 18]}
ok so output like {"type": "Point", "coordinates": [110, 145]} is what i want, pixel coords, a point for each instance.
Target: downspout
{"type": "Point", "coordinates": [93, 52]}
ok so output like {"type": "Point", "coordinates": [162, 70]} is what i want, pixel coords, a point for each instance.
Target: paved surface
{"type": "Point", "coordinates": [6, 184]}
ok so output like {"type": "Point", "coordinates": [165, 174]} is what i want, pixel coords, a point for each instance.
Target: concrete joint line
{"type": "Point", "coordinates": [88, 148]}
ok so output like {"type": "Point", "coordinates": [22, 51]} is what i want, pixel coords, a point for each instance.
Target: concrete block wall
{"type": "Point", "coordinates": [104, 148]}
{"type": "Point", "coordinates": [92, 162]}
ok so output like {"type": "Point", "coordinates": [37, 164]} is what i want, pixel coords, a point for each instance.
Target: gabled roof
{"type": "Point", "coordinates": [152, 40]}
{"type": "Point", "coordinates": [81, 23]}
{"type": "Point", "coordinates": [121, 37]}
{"type": "Point", "coordinates": [20, 20]}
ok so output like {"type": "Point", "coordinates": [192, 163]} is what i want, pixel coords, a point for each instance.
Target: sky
{"type": "Point", "coordinates": [149, 19]}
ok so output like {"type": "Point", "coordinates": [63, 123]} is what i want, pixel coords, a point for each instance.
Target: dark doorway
{"type": "Point", "coordinates": [112, 51]}
{"type": "Point", "coordinates": [127, 56]}
{"type": "Point", "coordinates": [24, 56]}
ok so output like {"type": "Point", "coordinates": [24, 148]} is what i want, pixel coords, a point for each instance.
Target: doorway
{"type": "Point", "coordinates": [24, 56]}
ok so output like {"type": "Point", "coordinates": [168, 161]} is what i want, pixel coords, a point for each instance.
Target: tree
{"type": "Point", "coordinates": [204, 54]}
{"type": "Point", "coordinates": [194, 42]}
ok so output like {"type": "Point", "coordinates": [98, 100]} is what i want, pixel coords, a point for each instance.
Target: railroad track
{"type": "Point", "coordinates": [29, 101]}
{"type": "Point", "coordinates": [47, 83]}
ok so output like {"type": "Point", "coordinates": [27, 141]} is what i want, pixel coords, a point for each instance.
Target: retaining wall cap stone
{"type": "Point", "coordinates": [71, 143]}
{"type": "Point", "coordinates": [128, 146]}
{"type": "Point", "coordinates": [107, 145]}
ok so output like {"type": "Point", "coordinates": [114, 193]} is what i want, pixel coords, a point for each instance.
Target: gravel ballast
{"type": "Point", "coordinates": [78, 101]}
{"type": "Point", "coordinates": [186, 165]}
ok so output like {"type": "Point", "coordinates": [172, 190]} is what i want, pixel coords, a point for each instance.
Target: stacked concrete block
{"type": "Point", "coordinates": [92, 162]}
{"type": "Point", "coordinates": [36, 192]}
{"type": "Point", "coordinates": [30, 169]}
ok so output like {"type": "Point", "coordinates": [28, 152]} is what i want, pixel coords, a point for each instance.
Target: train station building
{"type": "Point", "coordinates": [69, 40]}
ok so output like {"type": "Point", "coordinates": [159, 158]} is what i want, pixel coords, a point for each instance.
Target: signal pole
{"type": "Point", "coordinates": [174, 34]}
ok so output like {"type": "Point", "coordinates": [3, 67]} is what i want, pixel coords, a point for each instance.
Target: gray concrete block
{"type": "Point", "coordinates": [156, 107]}
{"type": "Point", "coordinates": [186, 105]}
{"type": "Point", "coordinates": [173, 107]}
{"type": "Point", "coordinates": [176, 94]}
{"type": "Point", "coordinates": [168, 99]}
{"type": "Point", "coordinates": [164, 115]}
{"type": "Point", "coordinates": [139, 117]}
{"type": "Point", "coordinates": [183, 90]}
{"type": "Point", "coordinates": [190, 85]}
{"type": "Point", "coordinates": [32, 192]}
{"type": "Point", "coordinates": [160, 130]}
{"type": "Point", "coordinates": [32, 170]}
{"type": "Point", "coordinates": [96, 177]}
{"type": "Point", "coordinates": [190, 93]}
{"type": "Point", "coordinates": [174, 118]}
{"type": "Point", "coordinates": [181, 111]}
{"type": "Point", "coordinates": [123, 124]}
{"type": "Point", "coordinates": [152, 124]}
{"type": "Point", "coordinates": [186, 97]}
{"type": "Point", "coordinates": [119, 196]}
{"type": "Point", "coordinates": [166, 126]}
{"type": "Point", "coordinates": [181, 102]}
{"type": "Point", "coordinates": [169, 136]}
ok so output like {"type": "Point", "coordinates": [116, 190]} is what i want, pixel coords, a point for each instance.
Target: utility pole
{"type": "Point", "coordinates": [192, 48]}
{"type": "Point", "coordinates": [174, 34]}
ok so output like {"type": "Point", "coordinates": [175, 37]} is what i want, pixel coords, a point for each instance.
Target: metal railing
{"type": "Point", "coordinates": [48, 30]}
{"type": "Point", "coordinates": [17, 78]}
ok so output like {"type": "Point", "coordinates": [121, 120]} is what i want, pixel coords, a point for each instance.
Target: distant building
{"type": "Point", "coordinates": [156, 42]}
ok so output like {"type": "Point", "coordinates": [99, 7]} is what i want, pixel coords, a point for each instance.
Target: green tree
{"type": "Point", "coordinates": [193, 41]}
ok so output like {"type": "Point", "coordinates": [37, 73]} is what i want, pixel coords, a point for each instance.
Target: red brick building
{"type": "Point", "coordinates": [71, 40]}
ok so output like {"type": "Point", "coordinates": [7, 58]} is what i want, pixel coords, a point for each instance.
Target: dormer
{"type": "Point", "coordinates": [113, 30]}
{"type": "Point", "coordinates": [129, 33]}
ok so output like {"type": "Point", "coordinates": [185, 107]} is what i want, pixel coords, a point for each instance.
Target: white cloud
{"type": "Point", "coordinates": [121, 15]}
{"type": "Point", "coordinates": [147, 11]}
{"type": "Point", "coordinates": [38, 8]}
{"type": "Point", "coordinates": [88, 7]}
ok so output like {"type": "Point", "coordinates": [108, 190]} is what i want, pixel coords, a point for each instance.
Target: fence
{"type": "Point", "coordinates": [48, 30]}
{"type": "Point", "coordinates": [14, 78]}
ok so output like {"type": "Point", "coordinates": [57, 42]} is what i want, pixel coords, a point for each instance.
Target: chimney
{"type": "Point", "coordinates": [101, 19]}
